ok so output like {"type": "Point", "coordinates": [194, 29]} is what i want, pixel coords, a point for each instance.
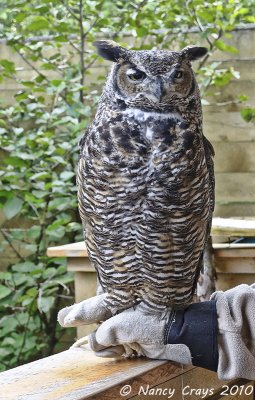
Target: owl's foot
{"type": "Point", "coordinates": [125, 350]}
{"type": "Point", "coordinates": [82, 342]}
{"type": "Point", "coordinates": [86, 312]}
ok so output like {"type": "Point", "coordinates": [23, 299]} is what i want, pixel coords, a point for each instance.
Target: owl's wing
{"type": "Point", "coordinates": [79, 179]}
{"type": "Point", "coordinates": [209, 154]}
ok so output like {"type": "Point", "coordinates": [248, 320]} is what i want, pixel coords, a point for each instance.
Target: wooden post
{"type": "Point", "coordinates": [84, 275]}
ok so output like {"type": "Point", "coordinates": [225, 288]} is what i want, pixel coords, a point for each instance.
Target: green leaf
{"type": "Point", "coordinates": [37, 23]}
{"type": "Point", "coordinates": [40, 176]}
{"type": "Point", "coordinates": [9, 324]}
{"type": "Point", "coordinates": [3, 124]}
{"type": "Point", "coordinates": [243, 97]}
{"type": "Point", "coordinates": [5, 352]}
{"type": "Point", "coordinates": [9, 66]}
{"type": "Point", "coordinates": [57, 233]}
{"type": "Point", "coordinates": [60, 203]}
{"type": "Point", "coordinates": [5, 276]}
{"type": "Point", "coordinates": [45, 303]}
{"type": "Point", "coordinates": [15, 161]}
{"type": "Point", "coordinates": [12, 207]}
{"type": "Point", "coordinates": [4, 291]}
{"type": "Point", "coordinates": [224, 47]}
{"type": "Point", "coordinates": [32, 292]}
{"type": "Point", "coordinates": [34, 232]}
{"type": "Point", "coordinates": [66, 175]}
{"type": "Point", "coordinates": [26, 266]}
{"type": "Point", "coordinates": [248, 114]}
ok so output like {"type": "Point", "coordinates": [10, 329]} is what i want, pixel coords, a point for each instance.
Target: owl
{"type": "Point", "coordinates": [145, 179]}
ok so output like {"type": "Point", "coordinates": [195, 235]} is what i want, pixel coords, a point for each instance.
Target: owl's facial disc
{"type": "Point", "coordinates": [136, 83]}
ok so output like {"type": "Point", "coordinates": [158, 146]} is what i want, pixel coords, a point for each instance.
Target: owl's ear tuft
{"type": "Point", "coordinates": [110, 50]}
{"type": "Point", "coordinates": [193, 53]}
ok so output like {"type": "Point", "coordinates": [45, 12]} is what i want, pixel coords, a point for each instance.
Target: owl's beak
{"type": "Point", "coordinates": [155, 91]}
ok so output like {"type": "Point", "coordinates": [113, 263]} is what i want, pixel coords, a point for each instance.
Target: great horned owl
{"type": "Point", "coordinates": [145, 179]}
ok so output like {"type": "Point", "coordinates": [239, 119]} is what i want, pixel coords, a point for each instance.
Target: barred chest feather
{"type": "Point", "coordinates": [145, 200]}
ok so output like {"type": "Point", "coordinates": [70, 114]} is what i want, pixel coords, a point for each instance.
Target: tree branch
{"type": "Point", "coordinates": [69, 10]}
{"type": "Point", "coordinates": [82, 49]}
{"type": "Point", "coordinates": [11, 245]}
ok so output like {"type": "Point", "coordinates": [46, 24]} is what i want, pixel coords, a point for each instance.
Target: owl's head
{"type": "Point", "coordinates": [150, 79]}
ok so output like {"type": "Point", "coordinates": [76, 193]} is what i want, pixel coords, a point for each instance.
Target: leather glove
{"type": "Point", "coordinates": [135, 332]}
{"type": "Point", "coordinates": [187, 336]}
{"type": "Point", "coordinates": [86, 312]}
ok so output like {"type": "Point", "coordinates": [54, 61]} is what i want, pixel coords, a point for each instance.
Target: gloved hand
{"type": "Point", "coordinates": [135, 332]}
{"type": "Point", "coordinates": [86, 312]}
{"type": "Point", "coordinates": [185, 336]}
{"type": "Point", "coordinates": [226, 324]}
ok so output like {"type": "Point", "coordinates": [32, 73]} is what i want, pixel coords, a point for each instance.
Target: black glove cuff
{"type": "Point", "coordinates": [197, 328]}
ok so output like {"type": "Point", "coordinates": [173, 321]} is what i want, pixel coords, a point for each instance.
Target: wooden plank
{"type": "Point", "coordinates": [224, 125]}
{"type": "Point", "coordinates": [232, 91]}
{"type": "Point", "coordinates": [79, 264]}
{"type": "Point", "coordinates": [244, 390]}
{"type": "Point", "coordinates": [235, 246]}
{"type": "Point", "coordinates": [78, 374]}
{"type": "Point", "coordinates": [237, 252]}
{"type": "Point", "coordinates": [233, 227]}
{"type": "Point", "coordinates": [68, 250]}
{"type": "Point", "coordinates": [235, 187]}
{"type": "Point", "coordinates": [143, 383]}
{"type": "Point", "coordinates": [228, 281]}
{"type": "Point", "coordinates": [234, 209]}
{"type": "Point", "coordinates": [85, 284]}
{"type": "Point", "coordinates": [234, 156]}
{"type": "Point", "coordinates": [235, 265]}
{"type": "Point", "coordinates": [193, 385]}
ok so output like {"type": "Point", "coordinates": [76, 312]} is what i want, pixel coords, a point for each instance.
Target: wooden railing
{"type": "Point", "coordinates": [78, 374]}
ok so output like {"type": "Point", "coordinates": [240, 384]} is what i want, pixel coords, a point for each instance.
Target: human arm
{"type": "Point", "coordinates": [218, 334]}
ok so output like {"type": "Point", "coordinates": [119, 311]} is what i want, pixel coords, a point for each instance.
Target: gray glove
{"type": "Point", "coordinates": [236, 332]}
{"type": "Point", "coordinates": [134, 332]}
{"type": "Point", "coordinates": [86, 312]}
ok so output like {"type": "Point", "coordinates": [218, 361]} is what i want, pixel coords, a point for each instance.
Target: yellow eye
{"type": "Point", "coordinates": [136, 75]}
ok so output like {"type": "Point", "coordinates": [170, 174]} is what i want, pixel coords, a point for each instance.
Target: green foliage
{"type": "Point", "coordinates": [41, 128]}
{"type": "Point", "coordinates": [29, 299]}
{"type": "Point", "coordinates": [248, 114]}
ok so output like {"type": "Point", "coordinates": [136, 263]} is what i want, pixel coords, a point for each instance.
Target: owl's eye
{"type": "Point", "coordinates": [136, 75]}
{"type": "Point", "coordinates": [178, 74]}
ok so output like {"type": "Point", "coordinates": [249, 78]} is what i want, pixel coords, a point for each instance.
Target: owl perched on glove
{"type": "Point", "coordinates": [145, 179]}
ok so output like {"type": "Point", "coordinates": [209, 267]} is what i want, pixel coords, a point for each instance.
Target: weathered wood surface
{"type": "Point", "coordinates": [78, 374]}
{"type": "Point", "coordinates": [68, 250]}
{"type": "Point", "coordinates": [235, 187]}
{"type": "Point", "coordinates": [222, 126]}
{"type": "Point", "coordinates": [236, 265]}
{"type": "Point", "coordinates": [229, 209]}
{"type": "Point", "coordinates": [234, 157]}
{"type": "Point", "coordinates": [233, 227]}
